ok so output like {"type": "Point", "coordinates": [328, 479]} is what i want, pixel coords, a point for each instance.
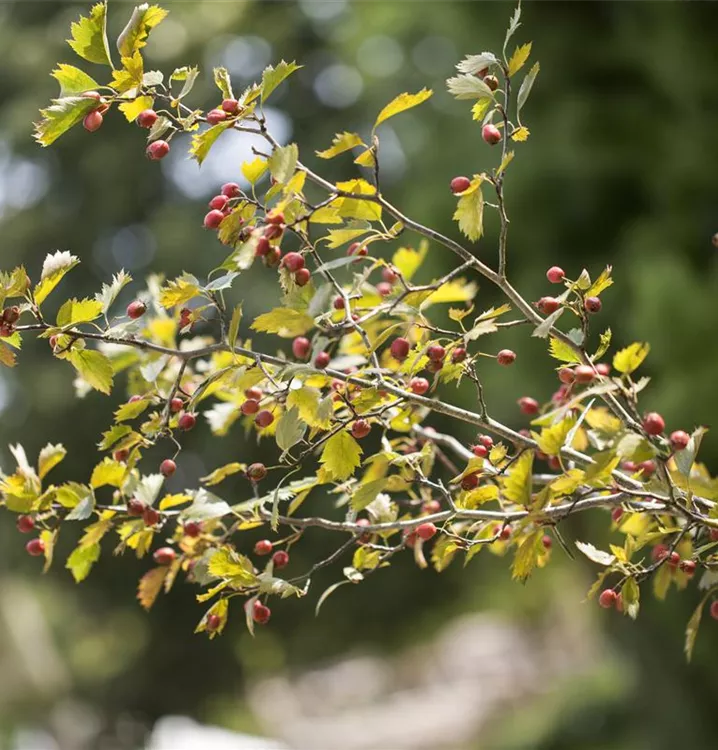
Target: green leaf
{"type": "Point", "coordinates": [113, 435]}
{"type": "Point", "coordinates": [694, 624]}
{"type": "Point", "coordinates": [685, 459]}
{"type": "Point", "coordinates": [132, 410]}
{"type": "Point", "coordinates": [526, 86]}
{"type": "Point", "coordinates": [226, 563]}
{"type": "Point", "coordinates": [107, 472]}
{"type": "Point", "coordinates": [468, 87]}
{"type": "Point", "coordinates": [76, 311]}
{"type": "Point", "coordinates": [470, 211]}
{"type": "Point", "coordinates": [72, 80]}
{"type": "Point", "coordinates": [604, 344]}
{"type": "Point", "coordinates": [134, 36]}
{"type": "Point", "coordinates": [527, 556]}
{"type": "Point", "coordinates": [341, 456]}
{"type": "Point", "coordinates": [80, 562]}
{"type": "Point", "coordinates": [631, 595]}
{"type": "Point", "coordinates": [234, 323]}
{"type": "Point", "coordinates": [401, 103]}
{"type": "Point", "coordinates": [630, 359]}
{"type": "Point", "coordinates": [89, 36]}
{"type": "Point", "coordinates": [283, 162]}
{"type": "Point", "coordinates": [563, 352]}
{"type": "Point", "coordinates": [60, 116]}
{"type": "Point", "coordinates": [284, 321]}
{"type": "Point", "coordinates": [290, 429]}
{"type": "Point", "coordinates": [189, 76]}
{"type": "Point", "coordinates": [179, 291]}
{"type": "Point", "coordinates": [342, 142]}
{"type": "Point", "coordinates": [203, 142]}
{"type": "Point", "coordinates": [54, 268]}
{"type": "Point", "coordinates": [517, 483]}
{"type": "Point", "coordinates": [518, 59]}
{"type": "Point", "coordinates": [94, 368]}
{"type": "Point", "coordinates": [365, 494]}
{"type": "Point", "coordinates": [272, 77]}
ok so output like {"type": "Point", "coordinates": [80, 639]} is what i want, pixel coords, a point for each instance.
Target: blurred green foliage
{"type": "Point", "coordinates": [620, 168]}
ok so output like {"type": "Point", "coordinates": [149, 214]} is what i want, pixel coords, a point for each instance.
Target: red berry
{"type": "Point", "coordinates": [150, 516]}
{"type": "Point", "coordinates": [275, 217]}
{"type": "Point", "coordinates": [257, 471]}
{"type": "Point", "coordinates": [213, 622]}
{"type": "Point", "coordinates": [264, 418]}
{"type": "Point", "coordinates": [674, 559]}
{"type": "Point", "coordinates": [679, 440]}
{"type": "Point", "coordinates": [231, 190]}
{"type": "Point", "coordinates": [165, 556]}
{"type": "Point", "coordinates": [261, 613]}
{"type": "Point", "coordinates": [458, 354]}
{"type": "Point", "coordinates": [548, 305]}
{"type": "Point", "coordinates": [419, 386]}
{"type": "Point", "coordinates": [607, 598]}
{"type": "Point", "coordinates": [435, 365]}
{"type": "Point", "coordinates": [528, 405]}
{"type": "Point", "coordinates": [425, 531]}
{"type": "Point", "coordinates": [547, 541]}
{"type": "Point", "coordinates": [339, 303]}
{"type": "Point", "coordinates": [168, 467]}
{"type": "Point", "coordinates": [35, 547]}
{"type": "Point", "coordinates": [280, 558]}
{"type": "Point", "coordinates": [215, 116]}
{"type": "Point", "coordinates": [491, 134]}
{"type": "Point", "coordinates": [617, 514]}
{"type": "Point", "coordinates": [389, 274]}
{"type": "Point", "coordinates": [480, 450]}
{"type": "Point", "coordinates": [254, 392]}
{"type": "Point", "coordinates": [659, 552]}
{"type": "Point", "coordinates": [192, 529]}
{"type": "Point", "coordinates": [436, 352]}
{"type": "Point", "coordinates": [147, 118]}
{"type": "Point", "coordinates": [384, 288]}
{"type": "Point", "coordinates": [25, 524]}
{"type": "Point", "coordinates": [431, 506]}
{"type": "Point", "coordinates": [688, 567]}
{"type": "Point", "coordinates": [714, 605]}
{"type": "Point", "coordinates": [584, 374]}
{"type": "Point", "coordinates": [360, 429]}
{"type": "Point", "coordinates": [219, 202]}
{"type": "Point", "coordinates": [93, 121]}
{"type": "Point", "coordinates": [648, 468]}
{"type": "Point", "coordinates": [505, 533]}
{"type": "Point", "coordinates": [272, 231]}
{"type": "Point", "coordinates": [250, 406]}
{"type": "Point", "coordinates": [176, 404]}
{"type": "Point", "coordinates": [136, 309]}
{"type": "Point", "coordinates": [230, 106]}
{"type": "Point", "coordinates": [92, 95]}
{"type": "Point", "coordinates": [566, 375]}
{"type": "Point", "coordinates": [187, 422]}
{"type": "Point", "coordinates": [400, 348]}
{"type": "Point", "coordinates": [213, 219]}
{"type": "Point", "coordinates": [302, 277]}
{"type": "Point", "coordinates": [555, 274]}
{"type": "Point", "coordinates": [321, 360]}
{"type": "Point", "coordinates": [603, 369]}
{"type": "Point", "coordinates": [486, 440]}
{"type": "Point", "coordinates": [713, 533]}
{"type": "Point", "coordinates": [459, 184]}
{"type": "Point", "coordinates": [356, 248]}
{"type": "Point", "coordinates": [470, 482]}
{"type": "Point", "coordinates": [293, 262]}
{"type": "Point", "coordinates": [135, 507]}
{"type": "Point", "coordinates": [653, 423]}
{"type": "Point", "coordinates": [506, 357]}
{"type": "Point", "coordinates": [263, 547]}
{"type": "Point", "coordinates": [157, 150]}
{"type": "Point", "coordinates": [592, 304]}
{"type": "Point", "coordinates": [263, 247]}
{"type": "Point", "coordinates": [301, 347]}
{"type": "Point", "coordinates": [11, 314]}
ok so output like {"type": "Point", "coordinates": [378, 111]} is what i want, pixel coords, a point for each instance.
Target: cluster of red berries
{"type": "Point", "coordinates": [220, 205]}
{"type": "Point", "coordinates": [280, 558]}
{"type": "Point", "coordinates": [10, 316]}
{"type": "Point", "coordinates": [26, 525]}
{"type": "Point", "coordinates": [157, 149]}
{"type": "Point", "coordinates": [227, 110]}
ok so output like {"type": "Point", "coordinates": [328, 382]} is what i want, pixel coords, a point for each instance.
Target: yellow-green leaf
{"type": "Point", "coordinates": [602, 282]}
{"type": "Point", "coordinates": [408, 261]}
{"type": "Point", "coordinates": [220, 474]}
{"type": "Point", "coordinates": [631, 358]}
{"type": "Point", "coordinates": [89, 36]}
{"type": "Point", "coordinates": [108, 472]}
{"type": "Point", "coordinates": [76, 311]}
{"type": "Point", "coordinates": [272, 77]}
{"type": "Point", "coordinates": [225, 563]}
{"type": "Point", "coordinates": [60, 116]}
{"type": "Point", "coordinates": [520, 134]}
{"type": "Point", "coordinates": [480, 108]}
{"type": "Point", "coordinates": [134, 36]}
{"type": "Point", "coordinates": [284, 321]}
{"type": "Point", "coordinates": [518, 59]}
{"type": "Point", "coordinates": [50, 456]}
{"type": "Point", "coordinates": [357, 208]}
{"type": "Point", "coordinates": [527, 556]}
{"type": "Point", "coordinates": [562, 351]}
{"type": "Point", "coordinates": [94, 367]}
{"type": "Point", "coordinates": [552, 438]}
{"type": "Point", "coordinates": [342, 142]}
{"type": "Point", "coordinates": [401, 103]}
{"type": "Point", "coordinates": [203, 142]}
{"type": "Point", "coordinates": [283, 162]}
{"type": "Point", "coordinates": [253, 170]}
{"type": "Point", "coordinates": [72, 80]}
{"type": "Point", "coordinates": [80, 562]}
{"type": "Point", "coordinates": [470, 211]}
{"type": "Point", "coordinates": [341, 456]}
{"type": "Point", "coordinates": [132, 109]}
{"type": "Point", "coordinates": [517, 483]}
{"type": "Point", "coordinates": [178, 292]}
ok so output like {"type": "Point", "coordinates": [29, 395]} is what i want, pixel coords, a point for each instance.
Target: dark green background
{"type": "Point", "coordinates": [621, 168]}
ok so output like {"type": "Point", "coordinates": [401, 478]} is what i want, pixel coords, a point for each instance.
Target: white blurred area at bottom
{"type": "Point", "coordinates": [182, 733]}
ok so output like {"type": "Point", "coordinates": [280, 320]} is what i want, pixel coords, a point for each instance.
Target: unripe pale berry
{"type": "Point", "coordinates": [192, 529]}
{"type": "Point", "coordinates": [213, 622]}
{"type": "Point", "coordinates": [301, 347]}
{"type": "Point", "coordinates": [431, 506]}
{"type": "Point", "coordinates": [176, 404]}
{"type": "Point", "coordinates": [419, 386]}
{"type": "Point", "coordinates": [528, 405]}
{"type": "Point", "coordinates": [213, 219]}
{"type": "Point", "coordinates": [250, 406]}
{"type": "Point", "coordinates": [384, 288]}
{"type": "Point", "coordinates": [436, 352]}
{"type": "Point", "coordinates": [293, 262]}
{"type": "Point", "coordinates": [135, 507]}
{"type": "Point", "coordinates": [147, 118]}
{"type": "Point", "coordinates": [506, 357]}
{"type": "Point", "coordinates": [93, 121]}
{"type": "Point", "coordinates": [168, 467]}
{"type": "Point", "coordinates": [400, 348]}
{"type": "Point", "coordinates": [459, 184]}
{"type": "Point", "coordinates": [425, 531]}
{"type": "Point", "coordinates": [219, 202]}
{"type": "Point", "coordinates": [280, 558]}
{"type": "Point", "coordinates": [187, 422]}
{"type": "Point", "coordinates": [584, 374]}
{"type": "Point", "coordinates": [230, 106]}
{"type": "Point", "coordinates": [555, 274]}
{"type": "Point", "coordinates": [470, 482]}
{"type": "Point", "coordinates": [25, 524]}
{"type": "Point", "coordinates": [389, 274]}
{"type": "Point", "coordinates": [264, 418]}
{"type": "Point", "coordinates": [136, 309]}
{"type": "Point", "coordinates": [607, 598]}
{"type": "Point", "coordinates": [263, 547]}
{"type": "Point", "coordinates": [603, 368]}
{"type": "Point", "coordinates": [231, 190]}
{"type": "Point", "coordinates": [257, 471]}
{"type": "Point", "coordinates": [165, 556]}
{"type": "Point", "coordinates": [548, 305]}
{"type": "Point", "coordinates": [35, 547]}
{"type": "Point", "coordinates": [360, 429]}
{"type": "Point", "coordinates": [302, 277]}
{"type": "Point", "coordinates": [215, 116]}
{"type": "Point", "coordinates": [592, 304]}
{"type": "Point", "coordinates": [679, 440]}
{"type": "Point", "coordinates": [157, 150]}
{"type": "Point", "coordinates": [653, 423]}
{"type": "Point", "coordinates": [261, 613]}
{"type": "Point", "coordinates": [491, 134]}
